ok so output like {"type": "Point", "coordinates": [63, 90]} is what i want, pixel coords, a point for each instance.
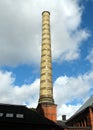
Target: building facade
{"type": "Point", "coordinates": [84, 116]}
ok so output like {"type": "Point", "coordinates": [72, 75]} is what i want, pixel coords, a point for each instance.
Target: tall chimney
{"type": "Point", "coordinates": [46, 104]}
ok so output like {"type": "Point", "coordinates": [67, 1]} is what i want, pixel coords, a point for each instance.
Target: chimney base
{"type": "Point", "coordinates": [48, 110]}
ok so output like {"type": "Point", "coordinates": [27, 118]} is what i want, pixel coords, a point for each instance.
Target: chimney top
{"type": "Point", "coordinates": [46, 12]}
{"type": "Point", "coordinates": [64, 117]}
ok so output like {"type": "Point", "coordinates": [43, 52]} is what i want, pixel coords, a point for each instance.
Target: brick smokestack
{"type": "Point", "coordinates": [46, 104]}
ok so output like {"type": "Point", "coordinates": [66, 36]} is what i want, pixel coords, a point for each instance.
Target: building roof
{"type": "Point", "coordinates": [61, 123]}
{"type": "Point", "coordinates": [22, 114]}
{"type": "Point", "coordinates": [88, 103]}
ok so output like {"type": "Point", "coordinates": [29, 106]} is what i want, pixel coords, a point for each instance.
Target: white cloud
{"type": "Point", "coordinates": [20, 30]}
{"type": "Point", "coordinates": [25, 94]}
{"type": "Point", "coordinates": [66, 89]}
{"type": "Point", "coordinates": [69, 89]}
{"type": "Point", "coordinates": [67, 110]}
{"type": "Point", "coordinates": [90, 56]}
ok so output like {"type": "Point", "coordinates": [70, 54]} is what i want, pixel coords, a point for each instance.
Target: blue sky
{"type": "Point", "coordinates": [72, 51]}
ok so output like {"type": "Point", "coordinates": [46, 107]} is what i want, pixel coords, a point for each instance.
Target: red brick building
{"type": "Point", "coordinates": [84, 116]}
{"type": "Point", "coordinates": [82, 119]}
